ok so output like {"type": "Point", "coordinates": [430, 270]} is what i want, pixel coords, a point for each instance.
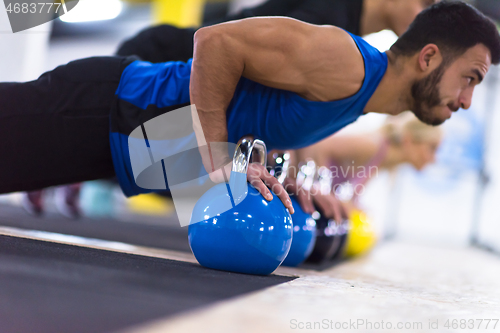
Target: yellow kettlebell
{"type": "Point", "coordinates": [361, 238]}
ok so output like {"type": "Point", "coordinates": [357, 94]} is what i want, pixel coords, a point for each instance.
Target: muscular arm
{"type": "Point", "coordinates": [328, 203]}
{"type": "Point", "coordinates": [319, 63]}
{"type": "Point", "coordinates": [343, 149]}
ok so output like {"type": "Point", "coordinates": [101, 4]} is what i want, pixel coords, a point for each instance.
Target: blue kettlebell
{"type": "Point", "coordinates": [233, 228]}
{"type": "Point", "coordinates": [304, 236]}
{"type": "Point", "coordinates": [304, 226]}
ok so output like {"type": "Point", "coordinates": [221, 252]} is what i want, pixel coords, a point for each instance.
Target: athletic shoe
{"type": "Point", "coordinates": [67, 200]}
{"type": "Point", "coordinates": [33, 202]}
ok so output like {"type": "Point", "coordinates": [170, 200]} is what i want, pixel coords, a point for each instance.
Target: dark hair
{"type": "Point", "coordinates": [454, 27]}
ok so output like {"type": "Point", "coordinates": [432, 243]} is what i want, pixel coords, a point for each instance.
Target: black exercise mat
{"type": "Point", "coordinates": [163, 234]}
{"type": "Point", "coordinates": [159, 232]}
{"type": "Point", "coordinates": [50, 287]}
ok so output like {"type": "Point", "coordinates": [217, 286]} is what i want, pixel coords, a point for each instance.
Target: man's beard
{"type": "Point", "coordinates": [426, 95]}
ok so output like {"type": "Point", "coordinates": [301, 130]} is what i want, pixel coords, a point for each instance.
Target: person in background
{"type": "Point", "coordinates": [352, 159]}
{"type": "Point", "coordinates": [360, 17]}
{"type": "Point", "coordinates": [66, 199]}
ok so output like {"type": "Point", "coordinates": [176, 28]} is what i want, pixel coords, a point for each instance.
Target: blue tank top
{"type": "Point", "coordinates": [282, 119]}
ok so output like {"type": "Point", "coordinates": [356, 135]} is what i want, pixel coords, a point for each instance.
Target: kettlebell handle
{"type": "Point", "coordinates": [281, 164]}
{"type": "Point", "coordinates": [246, 146]}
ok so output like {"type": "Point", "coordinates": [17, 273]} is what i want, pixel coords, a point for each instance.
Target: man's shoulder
{"type": "Point", "coordinates": [342, 65]}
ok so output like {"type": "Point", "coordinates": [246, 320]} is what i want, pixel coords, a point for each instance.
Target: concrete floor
{"type": "Point", "coordinates": [418, 287]}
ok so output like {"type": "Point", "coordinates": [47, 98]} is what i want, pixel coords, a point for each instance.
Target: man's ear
{"type": "Point", "coordinates": [429, 58]}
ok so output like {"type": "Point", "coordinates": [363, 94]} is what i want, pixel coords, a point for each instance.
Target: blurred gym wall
{"type": "Point", "coordinates": [23, 54]}
{"type": "Point", "coordinates": [486, 231]}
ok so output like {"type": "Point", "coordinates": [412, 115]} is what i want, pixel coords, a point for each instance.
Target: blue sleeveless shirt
{"type": "Point", "coordinates": [282, 119]}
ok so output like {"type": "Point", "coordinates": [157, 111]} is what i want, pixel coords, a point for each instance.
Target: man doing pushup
{"type": "Point", "coordinates": [287, 82]}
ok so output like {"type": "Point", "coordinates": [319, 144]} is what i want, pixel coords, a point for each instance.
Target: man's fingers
{"type": "Point", "coordinates": [330, 206]}
{"type": "Point", "coordinates": [345, 210]}
{"type": "Point", "coordinates": [324, 206]}
{"type": "Point", "coordinates": [305, 202]}
{"type": "Point", "coordinates": [278, 189]}
{"type": "Point", "coordinates": [337, 210]}
{"type": "Point", "coordinates": [262, 188]}
{"type": "Point", "coordinates": [258, 176]}
{"type": "Point", "coordinates": [254, 175]}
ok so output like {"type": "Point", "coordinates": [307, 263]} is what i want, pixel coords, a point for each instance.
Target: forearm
{"type": "Point", "coordinates": [290, 182]}
{"type": "Point", "coordinates": [318, 152]}
{"type": "Point", "coordinates": [214, 77]}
